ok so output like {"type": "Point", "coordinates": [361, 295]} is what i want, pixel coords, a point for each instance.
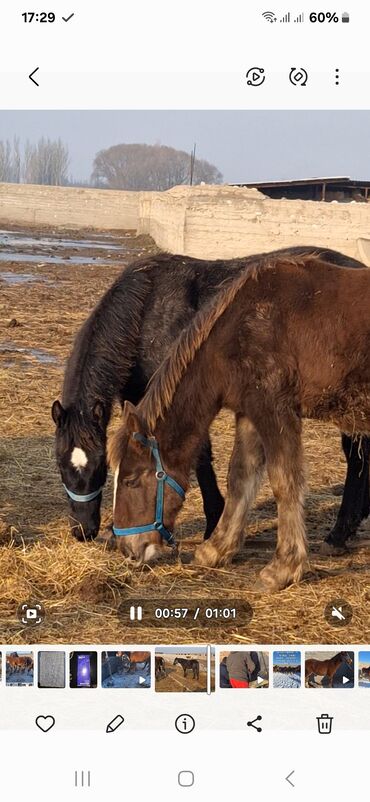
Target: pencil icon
{"type": "Point", "coordinates": [114, 724]}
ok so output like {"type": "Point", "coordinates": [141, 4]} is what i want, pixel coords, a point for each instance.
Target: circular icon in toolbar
{"type": "Point", "coordinates": [298, 76]}
{"type": "Point", "coordinates": [338, 613]}
{"type": "Point", "coordinates": [255, 76]}
{"type": "Point", "coordinates": [185, 723]}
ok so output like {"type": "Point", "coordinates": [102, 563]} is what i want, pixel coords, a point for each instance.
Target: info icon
{"type": "Point", "coordinates": [338, 613]}
{"type": "Point", "coordinates": [185, 723]}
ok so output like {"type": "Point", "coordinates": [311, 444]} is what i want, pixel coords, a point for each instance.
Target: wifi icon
{"type": "Point", "coordinates": [269, 16]}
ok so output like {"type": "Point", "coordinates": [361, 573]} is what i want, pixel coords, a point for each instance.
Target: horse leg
{"type": "Point", "coordinates": [213, 502]}
{"type": "Point", "coordinates": [310, 678]}
{"type": "Point", "coordinates": [244, 477]}
{"type": "Point", "coordinates": [284, 460]}
{"type": "Point", "coordinates": [355, 504]}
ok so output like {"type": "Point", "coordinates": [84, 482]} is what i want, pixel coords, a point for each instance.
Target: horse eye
{"type": "Point", "coordinates": [132, 481]}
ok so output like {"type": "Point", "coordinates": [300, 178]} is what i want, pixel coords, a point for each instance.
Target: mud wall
{"type": "Point", "coordinates": [206, 221]}
{"type": "Point", "coordinates": [226, 222]}
{"type": "Point", "coordinates": [67, 207]}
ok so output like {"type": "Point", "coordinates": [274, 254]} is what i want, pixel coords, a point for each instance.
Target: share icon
{"type": "Point", "coordinates": [252, 724]}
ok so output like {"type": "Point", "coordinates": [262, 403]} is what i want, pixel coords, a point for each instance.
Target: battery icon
{"type": "Point", "coordinates": [136, 613]}
{"type": "Point", "coordinates": [345, 16]}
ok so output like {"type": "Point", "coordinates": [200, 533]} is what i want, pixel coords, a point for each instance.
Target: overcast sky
{"type": "Point", "coordinates": [244, 145]}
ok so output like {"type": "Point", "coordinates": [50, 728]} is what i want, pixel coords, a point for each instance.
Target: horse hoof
{"type": "Point", "coordinates": [206, 555]}
{"type": "Point", "coordinates": [326, 548]}
{"type": "Point", "coordinates": [331, 550]}
{"type": "Point", "coordinates": [274, 578]}
{"type": "Point", "coordinates": [263, 587]}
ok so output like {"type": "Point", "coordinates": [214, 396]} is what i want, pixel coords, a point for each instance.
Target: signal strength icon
{"type": "Point", "coordinates": [286, 18]}
{"type": "Point", "coordinates": [300, 18]}
{"type": "Point", "coordinates": [269, 16]}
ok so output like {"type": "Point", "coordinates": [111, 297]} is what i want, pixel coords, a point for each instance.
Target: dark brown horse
{"type": "Point", "coordinates": [160, 667]}
{"type": "Point", "coordinates": [188, 665]}
{"type": "Point", "coordinates": [326, 668]}
{"type": "Point", "coordinates": [289, 338]}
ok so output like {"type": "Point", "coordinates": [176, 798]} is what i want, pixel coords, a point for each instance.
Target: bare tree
{"type": "Point", "coordinates": [10, 161]}
{"type": "Point", "coordinates": [46, 162]}
{"type": "Point", "coordinates": [149, 167]}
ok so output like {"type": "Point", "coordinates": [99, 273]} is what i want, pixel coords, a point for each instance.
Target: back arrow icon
{"type": "Point", "coordinates": [289, 780]}
{"type": "Point", "coordinates": [32, 79]}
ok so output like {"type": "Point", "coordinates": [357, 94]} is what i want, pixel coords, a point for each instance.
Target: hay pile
{"type": "Point", "coordinates": [83, 585]}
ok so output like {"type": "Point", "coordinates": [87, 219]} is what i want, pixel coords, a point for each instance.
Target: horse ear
{"type": "Point", "coordinates": [99, 413]}
{"type": "Point", "coordinates": [132, 420]}
{"type": "Point", "coordinates": [57, 413]}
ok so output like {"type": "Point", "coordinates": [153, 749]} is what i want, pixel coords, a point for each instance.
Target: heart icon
{"type": "Point", "coordinates": [45, 723]}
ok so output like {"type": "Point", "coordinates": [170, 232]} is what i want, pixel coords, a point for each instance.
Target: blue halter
{"type": "Point", "coordinates": [162, 478]}
{"type": "Point", "coordinates": [81, 497]}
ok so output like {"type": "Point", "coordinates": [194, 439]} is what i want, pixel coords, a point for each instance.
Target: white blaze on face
{"type": "Point", "coordinates": [78, 458]}
{"type": "Point", "coordinates": [115, 487]}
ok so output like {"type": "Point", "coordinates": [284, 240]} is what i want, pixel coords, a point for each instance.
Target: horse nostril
{"type": "Point", "coordinates": [82, 534]}
{"type": "Point", "coordinates": [107, 538]}
{"type": "Point", "coordinates": [77, 533]}
{"type": "Point", "coordinates": [91, 534]}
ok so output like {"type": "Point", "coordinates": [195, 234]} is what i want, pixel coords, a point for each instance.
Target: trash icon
{"type": "Point", "coordinates": [324, 723]}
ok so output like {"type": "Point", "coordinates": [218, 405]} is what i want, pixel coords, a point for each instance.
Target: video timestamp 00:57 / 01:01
{"type": "Point", "coordinates": [203, 611]}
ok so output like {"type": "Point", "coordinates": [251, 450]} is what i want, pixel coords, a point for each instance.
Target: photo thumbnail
{"type": "Point", "coordinates": [364, 669]}
{"type": "Point", "coordinates": [329, 669]}
{"type": "Point", "coordinates": [83, 667]}
{"type": "Point", "coordinates": [287, 670]}
{"type": "Point", "coordinates": [244, 669]}
{"type": "Point", "coordinates": [51, 671]}
{"type": "Point", "coordinates": [180, 668]}
{"type": "Point", "coordinates": [19, 668]}
{"type": "Point", "coordinates": [126, 669]}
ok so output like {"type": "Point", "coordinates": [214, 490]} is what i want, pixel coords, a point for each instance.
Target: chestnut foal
{"type": "Point", "coordinates": [288, 338]}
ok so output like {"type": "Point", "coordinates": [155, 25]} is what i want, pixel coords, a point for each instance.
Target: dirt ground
{"type": "Point", "coordinates": [43, 301]}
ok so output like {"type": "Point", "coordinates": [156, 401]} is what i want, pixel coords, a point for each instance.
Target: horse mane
{"type": "Point", "coordinates": [165, 381]}
{"type": "Point", "coordinates": [107, 338]}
